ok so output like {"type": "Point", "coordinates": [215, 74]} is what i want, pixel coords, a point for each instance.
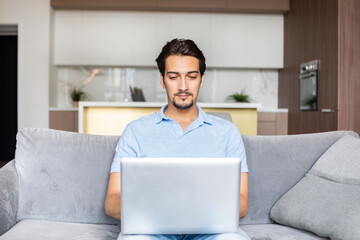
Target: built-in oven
{"type": "Point", "coordinates": [309, 86]}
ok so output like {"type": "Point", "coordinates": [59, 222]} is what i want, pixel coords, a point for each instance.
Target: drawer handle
{"type": "Point", "coordinates": [326, 110]}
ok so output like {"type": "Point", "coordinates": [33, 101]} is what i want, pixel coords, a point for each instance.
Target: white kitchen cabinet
{"type": "Point", "coordinates": [216, 55]}
{"type": "Point", "coordinates": [135, 38]}
{"type": "Point", "coordinates": [192, 26]}
{"type": "Point", "coordinates": [127, 39]}
{"type": "Point", "coordinates": [252, 41]}
{"type": "Point", "coordinates": [68, 36]}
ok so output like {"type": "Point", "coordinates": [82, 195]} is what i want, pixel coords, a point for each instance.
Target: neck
{"type": "Point", "coordinates": [181, 115]}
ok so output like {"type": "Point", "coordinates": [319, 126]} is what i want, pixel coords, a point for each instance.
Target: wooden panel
{"type": "Point", "coordinates": [281, 123]}
{"type": "Point", "coordinates": [63, 120]}
{"type": "Point", "coordinates": [191, 4]}
{"type": "Point", "coordinates": [327, 121]}
{"type": "Point", "coordinates": [267, 128]}
{"type": "Point", "coordinates": [277, 6]}
{"type": "Point", "coordinates": [272, 123]}
{"type": "Point", "coordinates": [104, 4]}
{"type": "Point", "coordinates": [76, 121]}
{"type": "Point", "coordinates": [349, 65]}
{"type": "Point", "coordinates": [310, 34]}
{"type": "Point", "coordinates": [309, 122]}
{"type": "Point", "coordinates": [328, 80]}
{"type": "Point", "coordinates": [266, 116]}
{"type": "Point", "coordinates": [243, 6]}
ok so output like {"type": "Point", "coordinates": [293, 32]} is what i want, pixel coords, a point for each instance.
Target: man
{"type": "Point", "coordinates": [179, 129]}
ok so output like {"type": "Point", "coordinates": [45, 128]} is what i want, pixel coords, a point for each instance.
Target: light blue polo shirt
{"type": "Point", "coordinates": [157, 136]}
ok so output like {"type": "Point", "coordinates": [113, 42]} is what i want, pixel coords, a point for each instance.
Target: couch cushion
{"type": "Point", "coordinates": [63, 176]}
{"type": "Point", "coordinates": [277, 163]}
{"type": "Point", "coordinates": [45, 230]}
{"type": "Point", "coordinates": [326, 201]}
{"type": "Point", "coordinates": [277, 232]}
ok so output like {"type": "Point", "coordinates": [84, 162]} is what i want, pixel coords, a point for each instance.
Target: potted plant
{"type": "Point", "coordinates": [240, 97]}
{"type": "Point", "coordinates": [76, 95]}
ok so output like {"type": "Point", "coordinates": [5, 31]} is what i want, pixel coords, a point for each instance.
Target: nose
{"type": "Point", "coordinates": [182, 85]}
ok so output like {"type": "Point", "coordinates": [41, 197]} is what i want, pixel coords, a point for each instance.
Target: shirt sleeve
{"type": "Point", "coordinates": [236, 148]}
{"type": "Point", "coordinates": [126, 148]}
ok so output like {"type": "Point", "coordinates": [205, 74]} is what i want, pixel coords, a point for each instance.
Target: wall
{"type": "Point", "coordinates": [33, 20]}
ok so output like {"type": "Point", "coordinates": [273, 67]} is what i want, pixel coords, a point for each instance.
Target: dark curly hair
{"type": "Point", "coordinates": [182, 47]}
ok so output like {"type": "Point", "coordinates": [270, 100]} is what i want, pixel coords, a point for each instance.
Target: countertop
{"type": "Point", "coordinates": [160, 104]}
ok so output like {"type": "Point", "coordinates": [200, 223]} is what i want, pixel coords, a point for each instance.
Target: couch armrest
{"type": "Point", "coordinates": [9, 196]}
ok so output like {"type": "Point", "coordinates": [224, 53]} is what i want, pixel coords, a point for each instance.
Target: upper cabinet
{"type": "Point", "coordinates": [125, 38]}
{"type": "Point", "coordinates": [213, 6]}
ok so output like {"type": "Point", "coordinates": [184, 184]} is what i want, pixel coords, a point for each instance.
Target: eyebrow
{"type": "Point", "coordinates": [178, 72]}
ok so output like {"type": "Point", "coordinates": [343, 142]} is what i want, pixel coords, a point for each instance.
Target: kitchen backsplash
{"type": "Point", "coordinates": [112, 84]}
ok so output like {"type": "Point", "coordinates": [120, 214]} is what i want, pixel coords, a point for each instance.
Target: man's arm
{"type": "Point", "coordinates": [113, 199]}
{"type": "Point", "coordinates": [244, 195]}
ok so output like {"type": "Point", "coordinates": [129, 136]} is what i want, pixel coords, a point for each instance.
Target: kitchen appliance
{"type": "Point", "coordinates": [309, 86]}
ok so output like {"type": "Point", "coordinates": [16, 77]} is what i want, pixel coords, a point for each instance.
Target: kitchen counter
{"type": "Point", "coordinates": [83, 104]}
{"type": "Point", "coordinates": [111, 118]}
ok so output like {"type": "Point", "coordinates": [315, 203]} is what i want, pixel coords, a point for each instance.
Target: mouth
{"type": "Point", "coordinates": [183, 95]}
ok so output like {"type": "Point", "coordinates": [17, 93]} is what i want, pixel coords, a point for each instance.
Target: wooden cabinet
{"type": "Point", "coordinates": [136, 38]}
{"type": "Point", "coordinates": [64, 120]}
{"type": "Point", "coordinates": [272, 123]}
{"type": "Point", "coordinates": [325, 30]}
{"type": "Point", "coordinates": [258, 6]}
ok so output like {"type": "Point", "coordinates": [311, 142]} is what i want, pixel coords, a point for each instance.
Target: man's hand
{"type": "Point", "coordinates": [113, 199]}
{"type": "Point", "coordinates": [244, 195]}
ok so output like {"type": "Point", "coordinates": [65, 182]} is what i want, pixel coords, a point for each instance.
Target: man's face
{"type": "Point", "coordinates": [182, 80]}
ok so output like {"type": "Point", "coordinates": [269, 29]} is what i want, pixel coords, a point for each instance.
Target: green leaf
{"type": "Point", "coordinates": [240, 97]}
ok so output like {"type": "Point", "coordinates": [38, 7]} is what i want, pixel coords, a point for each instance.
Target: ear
{"type": "Point", "coordinates": [202, 80]}
{"type": "Point", "coordinates": [162, 82]}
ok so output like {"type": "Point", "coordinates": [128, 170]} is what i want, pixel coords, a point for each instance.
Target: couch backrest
{"type": "Point", "coordinates": [63, 176]}
{"type": "Point", "coordinates": [277, 163]}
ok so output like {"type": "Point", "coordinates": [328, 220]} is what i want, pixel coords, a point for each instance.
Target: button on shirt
{"type": "Point", "coordinates": [158, 136]}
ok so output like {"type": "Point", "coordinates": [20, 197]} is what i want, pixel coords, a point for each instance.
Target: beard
{"type": "Point", "coordinates": [183, 105]}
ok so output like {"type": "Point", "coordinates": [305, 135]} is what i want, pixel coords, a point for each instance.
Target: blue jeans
{"type": "Point", "coordinates": [240, 235]}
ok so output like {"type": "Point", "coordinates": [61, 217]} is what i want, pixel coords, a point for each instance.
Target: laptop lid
{"type": "Point", "coordinates": [180, 195]}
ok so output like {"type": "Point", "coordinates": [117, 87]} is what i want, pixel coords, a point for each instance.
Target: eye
{"type": "Point", "coordinates": [172, 77]}
{"type": "Point", "coordinates": [192, 77]}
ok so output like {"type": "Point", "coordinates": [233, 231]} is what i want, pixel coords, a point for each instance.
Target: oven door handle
{"type": "Point", "coordinates": [327, 110]}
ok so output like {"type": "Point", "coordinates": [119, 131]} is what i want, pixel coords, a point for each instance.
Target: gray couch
{"type": "Point", "coordinates": [55, 188]}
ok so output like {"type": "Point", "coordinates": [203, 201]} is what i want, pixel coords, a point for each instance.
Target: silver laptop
{"type": "Point", "coordinates": [180, 195]}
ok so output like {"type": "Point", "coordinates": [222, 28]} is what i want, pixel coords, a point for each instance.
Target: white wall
{"type": "Point", "coordinates": [33, 20]}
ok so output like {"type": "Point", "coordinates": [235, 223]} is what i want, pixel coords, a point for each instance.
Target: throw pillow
{"type": "Point", "coordinates": [327, 200]}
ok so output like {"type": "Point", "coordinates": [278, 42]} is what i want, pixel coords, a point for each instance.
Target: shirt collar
{"type": "Point", "coordinates": [160, 116]}
{"type": "Point", "coordinates": [202, 116]}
